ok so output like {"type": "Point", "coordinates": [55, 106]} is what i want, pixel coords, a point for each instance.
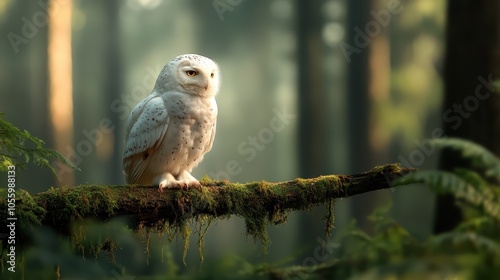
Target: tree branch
{"type": "Point", "coordinates": [256, 202]}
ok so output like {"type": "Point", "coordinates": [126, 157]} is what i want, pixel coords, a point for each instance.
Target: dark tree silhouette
{"type": "Point", "coordinates": [471, 109]}
{"type": "Point", "coordinates": [358, 113]}
{"type": "Point", "coordinates": [113, 85]}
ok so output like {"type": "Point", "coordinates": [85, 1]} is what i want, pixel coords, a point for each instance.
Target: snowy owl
{"type": "Point", "coordinates": [170, 130]}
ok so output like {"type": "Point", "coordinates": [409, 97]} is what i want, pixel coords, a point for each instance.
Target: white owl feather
{"type": "Point", "coordinates": [170, 130]}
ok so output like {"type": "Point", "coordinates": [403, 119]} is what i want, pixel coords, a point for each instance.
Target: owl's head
{"type": "Point", "coordinates": [190, 73]}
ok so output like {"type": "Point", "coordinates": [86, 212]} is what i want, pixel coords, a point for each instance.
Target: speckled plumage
{"type": "Point", "coordinates": [170, 130]}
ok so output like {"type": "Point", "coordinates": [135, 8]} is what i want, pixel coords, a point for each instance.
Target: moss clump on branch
{"type": "Point", "coordinates": [66, 204]}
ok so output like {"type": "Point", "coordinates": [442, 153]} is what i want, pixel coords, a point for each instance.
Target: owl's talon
{"type": "Point", "coordinates": [183, 185]}
{"type": "Point", "coordinates": [162, 186]}
{"type": "Point", "coordinates": [195, 185]}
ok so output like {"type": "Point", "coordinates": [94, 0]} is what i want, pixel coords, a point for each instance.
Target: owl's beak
{"type": "Point", "coordinates": [206, 83]}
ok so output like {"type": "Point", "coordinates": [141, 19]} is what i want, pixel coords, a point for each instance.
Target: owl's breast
{"type": "Point", "coordinates": [189, 134]}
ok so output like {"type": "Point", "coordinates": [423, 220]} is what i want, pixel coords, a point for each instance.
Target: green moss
{"type": "Point", "coordinates": [204, 197]}
{"type": "Point", "coordinates": [79, 212]}
{"type": "Point", "coordinates": [238, 197]}
{"type": "Point", "coordinates": [203, 226]}
{"type": "Point", "coordinates": [270, 204]}
{"type": "Point", "coordinates": [77, 202]}
{"type": "Point", "coordinates": [329, 219]}
{"type": "Point", "coordinates": [92, 239]}
{"type": "Point", "coordinates": [27, 212]}
{"type": "Point", "coordinates": [186, 233]}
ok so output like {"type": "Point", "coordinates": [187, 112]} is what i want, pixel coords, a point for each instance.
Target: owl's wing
{"type": "Point", "coordinates": [146, 128]}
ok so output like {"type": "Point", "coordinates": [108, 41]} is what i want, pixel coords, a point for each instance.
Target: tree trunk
{"type": "Point", "coordinates": [113, 87]}
{"type": "Point", "coordinates": [471, 109]}
{"type": "Point", "coordinates": [360, 154]}
{"type": "Point", "coordinates": [60, 69]}
{"type": "Point", "coordinates": [313, 126]}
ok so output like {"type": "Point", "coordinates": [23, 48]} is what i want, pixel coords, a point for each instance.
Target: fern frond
{"type": "Point", "coordinates": [476, 180]}
{"type": "Point", "coordinates": [381, 217]}
{"type": "Point", "coordinates": [458, 239]}
{"type": "Point", "coordinates": [442, 181]}
{"type": "Point", "coordinates": [447, 182]}
{"type": "Point", "coordinates": [480, 157]}
{"type": "Point", "coordinates": [20, 147]}
{"type": "Point", "coordinates": [483, 225]}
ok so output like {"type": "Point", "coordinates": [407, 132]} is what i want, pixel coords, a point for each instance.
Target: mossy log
{"type": "Point", "coordinates": [257, 202]}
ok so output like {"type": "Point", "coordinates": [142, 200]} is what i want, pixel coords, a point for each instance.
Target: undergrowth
{"type": "Point", "coordinates": [469, 251]}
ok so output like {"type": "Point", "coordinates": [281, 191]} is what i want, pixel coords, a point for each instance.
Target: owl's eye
{"type": "Point", "coordinates": [211, 75]}
{"type": "Point", "coordinates": [191, 73]}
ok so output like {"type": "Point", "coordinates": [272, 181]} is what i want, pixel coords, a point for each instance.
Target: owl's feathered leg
{"type": "Point", "coordinates": [184, 181]}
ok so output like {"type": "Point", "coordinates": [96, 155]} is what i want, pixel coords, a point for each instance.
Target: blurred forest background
{"type": "Point", "coordinates": [352, 83]}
